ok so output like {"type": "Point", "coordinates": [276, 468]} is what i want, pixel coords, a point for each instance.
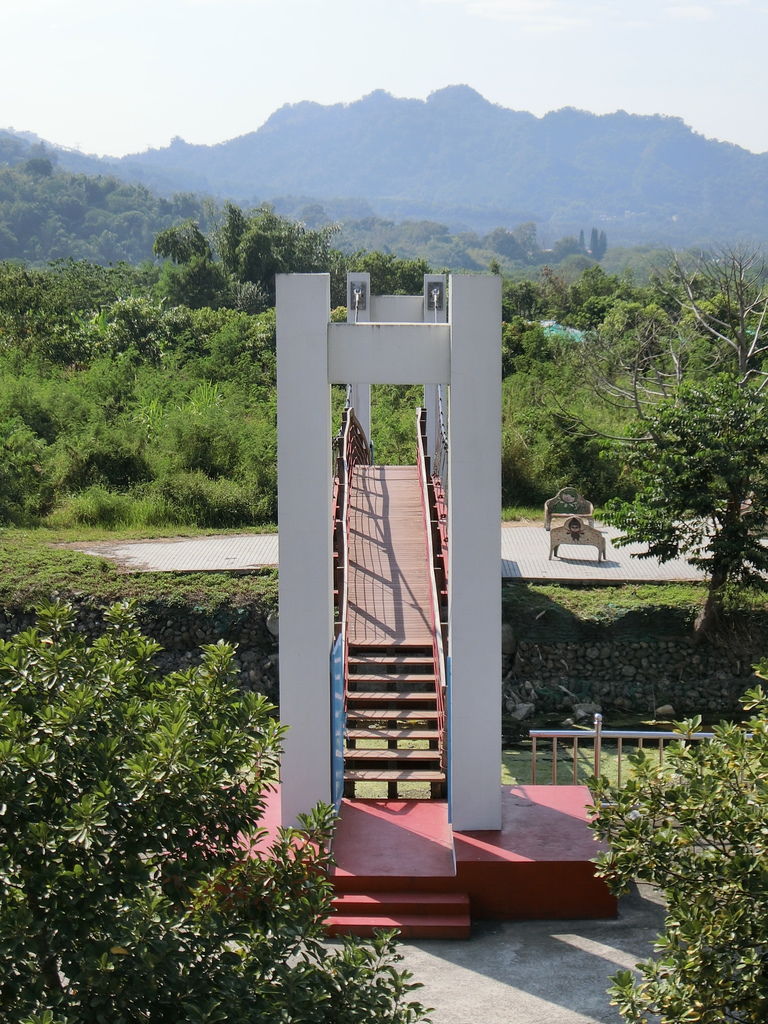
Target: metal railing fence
{"type": "Point", "coordinates": [599, 737]}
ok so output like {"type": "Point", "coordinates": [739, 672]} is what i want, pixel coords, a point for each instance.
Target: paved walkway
{"type": "Point", "coordinates": [235, 553]}
{"type": "Point", "coordinates": [524, 555]}
{"type": "Point", "coordinates": [534, 972]}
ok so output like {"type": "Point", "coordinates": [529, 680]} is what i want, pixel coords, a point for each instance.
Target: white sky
{"type": "Point", "coordinates": [118, 76]}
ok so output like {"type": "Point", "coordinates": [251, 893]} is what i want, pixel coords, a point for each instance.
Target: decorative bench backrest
{"type": "Point", "coordinates": [575, 530]}
{"type": "Point", "coordinates": [567, 502]}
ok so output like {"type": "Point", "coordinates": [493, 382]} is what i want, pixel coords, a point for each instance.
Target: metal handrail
{"type": "Point", "coordinates": [352, 451]}
{"type": "Point", "coordinates": [598, 735]}
{"type": "Point", "coordinates": [440, 454]}
{"type": "Point", "coordinates": [439, 476]}
{"type": "Point", "coordinates": [438, 651]}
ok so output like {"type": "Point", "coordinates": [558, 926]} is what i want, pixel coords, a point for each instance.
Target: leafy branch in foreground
{"type": "Point", "coordinates": [136, 882]}
{"type": "Point", "coordinates": [696, 827]}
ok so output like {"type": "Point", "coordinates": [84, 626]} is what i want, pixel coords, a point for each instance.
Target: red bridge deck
{"type": "Point", "coordinates": [388, 585]}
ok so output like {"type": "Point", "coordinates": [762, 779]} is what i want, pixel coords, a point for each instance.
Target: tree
{"type": "Point", "coordinates": [504, 242]}
{"type": "Point", "coordinates": [182, 243]}
{"type": "Point", "coordinates": [257, 246]}
{"type": "Point", "coordinates": [725, 292]}
{"type": "Point", "coordinates": [526, 237]}
{"type": "Point", "coordinates": [695, 827]}
{"type": "Point", "coordinates": [390, 274]}
{"type": "Point", "coordinates": [701, 461]}
{"type": "Point", "coordinates": [195, 281]}
{"type": "Point", "coordinates": [135, 882]}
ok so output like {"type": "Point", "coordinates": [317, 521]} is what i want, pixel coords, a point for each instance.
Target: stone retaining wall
{"type": "Point", "coordinates": [636, 677]}
{"type": "Point", "coordinates": [540, 676]}
{"type": "Point", "coordinates": [182, 630]}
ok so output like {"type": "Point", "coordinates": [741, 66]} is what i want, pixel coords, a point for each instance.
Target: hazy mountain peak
{"type": "Point", "coordinates": [460, 159]}
{"type": "Point", "coordinates": [457, 95]}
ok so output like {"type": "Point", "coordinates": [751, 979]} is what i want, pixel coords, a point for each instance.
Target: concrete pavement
{"type": "Point", "coordinates": [534, 972]}
{"type": "Point", "coordinates": [524, 555]}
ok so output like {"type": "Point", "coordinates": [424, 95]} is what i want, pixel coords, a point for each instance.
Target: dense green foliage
{"type": "Point", "coordinates": [137, 884]}
{"type": "Point", "coordinates": [126, 396]}
{"type": "Point", "coordinates": [47, 215]}
{"type": "Point", "coordinates": [517, 251]}
{"type": "Point", "coordinates": [132, 398]}
{"type": "Point", "coordinates": [695, 827]}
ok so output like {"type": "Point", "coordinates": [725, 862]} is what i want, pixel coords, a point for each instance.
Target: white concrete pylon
{"type": "Point", "coordinates": [435, 312]}
{"type": "Point", "coordinates": [474, 539]}
{"type": "Point", "coordinates": [304, 510]}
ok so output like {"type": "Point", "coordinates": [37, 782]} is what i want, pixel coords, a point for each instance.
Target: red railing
{"type": "Point", "coordinates": [435, 572]}
{"type": "Point", "coordinates": [351, 450]}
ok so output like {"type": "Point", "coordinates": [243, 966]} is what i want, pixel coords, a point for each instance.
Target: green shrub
{"type": "Point", "coordinates": [137, 885]}
{"type": "Point", "coordinates": [694, 827]}
{"type": "Point", "coordinates": [105, 455]}
{"type": "Point", "coordinates": [202, 437]}
{"type": "Point", "coordinates": [154, 510]}
{"type": "Point", "coordinates": [23, 488]}
{"type": "Point", "coordinates": [196, 499]}
{"type": "Point", "coordinates": [94, 506]}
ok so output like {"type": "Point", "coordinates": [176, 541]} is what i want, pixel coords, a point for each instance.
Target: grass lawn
{"type": "Point", "coordinates": [516, 764]}
{"type": "Point", "coordinates": [33, 570]}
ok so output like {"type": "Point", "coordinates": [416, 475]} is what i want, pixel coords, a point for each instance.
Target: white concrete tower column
{"type": "Point", "coordinates": [474, 527]}
{"type": "Point", "coordinates": [304, 510]}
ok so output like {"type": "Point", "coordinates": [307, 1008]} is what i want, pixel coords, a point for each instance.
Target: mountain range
{"type": "Point", "coordinates": [459, 159]}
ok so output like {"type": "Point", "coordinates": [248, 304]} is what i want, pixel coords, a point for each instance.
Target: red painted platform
{"type": "Point", "coordinates": [537, 865]}
{"type": "Point", "coordinates": [397, 843]}
{"type": "Point", "coordinates": [399, 864]}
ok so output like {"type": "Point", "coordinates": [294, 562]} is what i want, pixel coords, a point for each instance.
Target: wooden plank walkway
{"type": "Point", "coordinates": [524, 556]}
{"type": "Point", "coordinates": [388, 585]}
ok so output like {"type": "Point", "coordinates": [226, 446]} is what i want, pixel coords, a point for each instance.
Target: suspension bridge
{"type": "Point", "coordinates": [402, 730]}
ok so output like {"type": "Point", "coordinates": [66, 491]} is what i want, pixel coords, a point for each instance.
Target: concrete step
{"type": "Point", "coordinates": [410, 926]}
{"type": "Point", "coordinates": [432, 903]}
{"type": "Point", "coordinates": [437, 915]}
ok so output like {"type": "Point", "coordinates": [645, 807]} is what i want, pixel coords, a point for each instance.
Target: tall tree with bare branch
{"type": "Point", "coordinates": [725, 293]}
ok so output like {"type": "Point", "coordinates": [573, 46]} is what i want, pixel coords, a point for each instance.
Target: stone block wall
{"type": "Point", "coordinates": [182, 630]}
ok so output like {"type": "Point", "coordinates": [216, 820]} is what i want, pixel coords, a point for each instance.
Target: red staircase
{"type": "Point", "coordinates": [390, 595]}
{"type": "Point", "coordinates": [423, 915]}
{"type": "Point", "coordinates": [393, 732]}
